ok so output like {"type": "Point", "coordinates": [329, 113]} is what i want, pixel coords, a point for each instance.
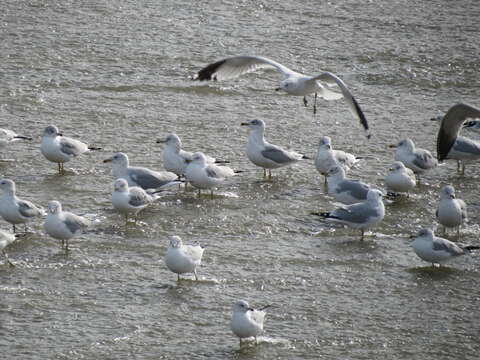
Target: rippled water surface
{"type": "Point", "coordinates": [115, 73]}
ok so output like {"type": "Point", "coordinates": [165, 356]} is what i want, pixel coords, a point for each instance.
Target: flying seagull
{"type": "Point", "coordinates": [294, 83]}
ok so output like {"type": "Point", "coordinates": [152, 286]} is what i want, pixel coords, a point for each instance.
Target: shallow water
{"type": "Point", "coordinates": [115, 74]}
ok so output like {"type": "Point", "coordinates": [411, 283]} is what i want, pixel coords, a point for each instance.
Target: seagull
{"type": "Point", "coordinates": [140, 176]}
{"type": "Point", "coordinates": [400, 178]}
{"type": "Point", "coordinates": [264, 154]}
{"type": "Point", "coordinates": [176, 160]}
{"type": "Point", "coordinates": [9, 136]}
{"type": "Point", "coordinates": [63, 225]}
{"type": "Point", "coordinates": [419, 160]}
{"type": "Point", "coordinates": [6, 239]}
{"type": "Point", "coordinates": [206, 176]}
{"type": "Point", "coordinates": [437, 250]}
{"type": "Point", "coordinates": [345, 190]}
{"type": "Point", "coordinates": [451, 212]}
{"type": "Point", "coordinates": [61, 149]}
{"type": "Point", "coordinates": [182, 259]}
{"type": "Point", "coordinates": [293, 83]}
{"type": "Point", "coordinates": [361, 215]}
{"type": "Point", "coordinates": [452, 146]}
{"type": "Point", "coordinates": [15, 210]}
{"type": "Point", "coordinates": [247, 322]}
{"type": "Point", "coordinates": [130, 200]}
{"type": "Point", "coordinates": [327, 157]}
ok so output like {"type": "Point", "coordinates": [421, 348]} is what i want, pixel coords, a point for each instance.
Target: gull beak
{"type": "Point", "coordinates": [278, 89]}
{"type": "Point", "coordinates": [107, 160]}
{"type": "Point", "coordinates": [411, 237]}
{"type": "Point", "coordinates": [59, 134]}
{"type": "Point", "coordinates": [188, 161]}
{"type": "Point", "coordinates": [160, 141]}
{"type": "Point", "coordinates": [244, 124]}
{"type": "Point", "coordinates": [392, 146]}
{"type": "Point", "coordinates": [251, 309]}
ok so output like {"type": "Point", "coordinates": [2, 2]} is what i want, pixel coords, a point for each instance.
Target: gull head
{"type": "Point", "coordinates": [119, 158]}
{"type": "Point", "coordinates": [241, 306]}
{"type": "Point", "coordinates": [199, 158]}
{"type": "Point", "coordinates": [336, 170]}
{"type": "Point", "coordinates": [175, 242]}
{"type": "Point", "coordinates": [7, 185]}
{"type": "Point", "coordinates": [255, 124]}
{"type": "Point", "coordinates": [447, 192]}
{"type": "Point", "coordinates": [287, 85]}
{"type": "Point", "coordinates": [51, 131]}
{"type": "Point", "coordinates": [54, 207]}
{"type": "Point", "coordinates": [397, 166]}
{"type": "Point", "coordinates": [423, 233]}
{"type": "Point", "coordinates": [171, 140]}
{"type": "Point", "coordinates": [405, 145]}
{"type": "Point", "coordinates": [325, 142]}
{"type": "Point", "coordinates": [374, 194]}
{"type": "Point", "coordinates": [120, 185]}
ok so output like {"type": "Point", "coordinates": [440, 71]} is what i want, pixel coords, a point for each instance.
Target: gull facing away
{"type": "Point", "coordinates": [264, 154]}
{"type": "Point", "coordinates": [293, 83]}
{"type": "Point", "coordinates": [183, 259]}
{"type": "Point", "coordinates": [6, 239]}
{"type": "Point", "coordinates": [452, 146]}
{"type": "Point", "coordinates": [9, 136]}
{"type": "Point", "coordinates": [175, 159]}
{"type": "Point", "coordinates": [206, 176]}
{"type": "Point", "coordinates": [345, 190]}
{"type": "Point", "coordinates": [451, 212]}
{"type": "Point", "coordinates": [63, 225]}
{"type": "Point", "coordinates": [362, 215]}
{"type": "Point", "coordinates": [15, 210]}
{"type": "Point", "coordinates": [130, 200]}
{"type": "Point", "coordinates": [437, 250]}
{"type": "Point", "coordinates": [326, 157]}
{"type": "Point", "coordinates": [61, 149]}
{"type": "Point", "coordinates": [419, 160]}
{"type": "Point", "coordinates": [400, 179]}
{"type": "Point", "coordinates": [247, 322]}
{"type": "Point", "coordinates": [140, 176]}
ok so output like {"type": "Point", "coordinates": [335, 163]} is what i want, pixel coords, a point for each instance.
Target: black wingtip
{"type": "Point", "coordinates": [321, 214]}
{"type": "Point", "coordinates": [23, 137]}
{"type": "Point", "coordinates": [93, 148]}
{"type": "Point", "coordinates": [208, 72]}
{"type": "Point", "coordinates": [361, 115]}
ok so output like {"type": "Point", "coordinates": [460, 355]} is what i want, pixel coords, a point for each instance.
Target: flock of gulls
{"type": "Point", "coordinates": [361, 205]}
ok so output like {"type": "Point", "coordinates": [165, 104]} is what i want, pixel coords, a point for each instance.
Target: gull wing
{"type": "Point", "coordinates": [27, 209]}
{"type": "Point", "coordinates": [75, 223]}
{"type": "Point", "coordinates": [72, 147]}
{"type": "Point", "coordinates": [236, 66]}
{"type": "Point", "coordinates": [451, 125]}
{"type": "Point", "coordinates": [138, 197]}
{"type": "Point", "coordinates": [440, 244]}
{"type": "Point", "coordinates": [330, 79]}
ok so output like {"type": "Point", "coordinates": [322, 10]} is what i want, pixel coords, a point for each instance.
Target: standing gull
{"type": "Point", "coordinates": [293, 83]}
{"type": "Point", "coordinates": [206, 176]}
{"type": "Point", "coordinates": [400, 178]}
{"type": "Point", "coordinates": [451, 212]}
{"type": "Point", "coordinates": [63, 225]}
{"type": "Point", "coordinates": [452, 146]}
{"type": "Point", "coordinates": [13, 209]}
{"type": "Point", "coordinates": [326, 157]}
{"type": "Point", "coordinates": [130, 200]}
{"type": "Point", "coordinates": [139, 176]}
{"type": "Point", "coordinates": [6, 239]}
{"type": "Point", "coordinates": [361, 215]}
{"type": "Point", "coordinates": [61, 149]}
{"type": "Point", "coordinates": [419, 160]}
{"type": "Point", "coordinates": [264, 154]}
{"type": "Point", "coordinates": [345, 190]}
{"type": "Point", "coordinates": [183, 259]}
{"type": "Point", "coordinates": [437, 250]}
{"type": "Point", "coordinates": [246, 321]}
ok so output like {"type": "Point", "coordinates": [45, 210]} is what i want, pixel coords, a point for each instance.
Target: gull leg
{"type": "Point", "coordinates": [264, 173]}
{"type": "Point", "coordinates": [59, 168]}
{"type": "Point", "coordinates": [66, 246]}
{"type": "Point", "coordinates": [256, 340]}
{"type": "Point", "coordinates": [315, 104]}
{"type": "Point", "coordinates": [463, 169]}
{"type": "Point", "coordinates": [7, 260]}
{"type": "Point", "coordinates": [211, 194]}
{"type": "Point", "coordinates": [269, 174]}
{"type": "Point", "coordinates": [363, 233]}
{"type": "Point", "coordinates": [199, 192]}
{"type": "Point", "coordinates": [305, 102]}
{"type": "Point", "coordinates": [178, 277]}
{"type": "Point", "coordinates": [13, 228]}
{"type": "Point", "coordinates": [195, 273]}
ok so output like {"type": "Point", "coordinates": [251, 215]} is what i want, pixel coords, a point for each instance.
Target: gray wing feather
{"type": "Point", "coordinates": [424, 159]}
{"type": "Point", "coordinates": [356, 213]}
{"type": "Point", "coordinates": [75, 223]}
{"type": "Point", "coordinates": [466, 145]}
{"type": "Point", "coordinates": [148, 179]}
{"type": "Point", "coordinates": [72, 147]}
{"type": "Point", "coordinates": [277, 155]}
{"type": "Point", "coordinates": [357, 189]}
{"type": "Point", "coordinates": [137, 197]}
{"type": "Point", "coordinates": [441, 245]}
{"type": "Point", "coordinates": [27, 209]}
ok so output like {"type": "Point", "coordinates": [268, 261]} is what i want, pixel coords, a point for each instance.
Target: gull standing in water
{"type": "Point", "coordinates": [361, 215]}
{"type": "Point", "coordinates": [6, 239]}
{"type": "Point", "coordinates": [400, 178]}
{"type": "Point", "coordinates": [452, 146]}
{"type": "Point", "coordinates": [9, 136]}
{"type": "Point", "coordinates": [294, 83]}
{"type": "Point", "coordinates": [264, 154]}
{"type": "Point", "coordinates": [130, 200]}
{"type": "Point", "coordinates": [183, 259]}
{"type": "Point", "coordinates": [15, 210]}
{"type": "Point", "coordinates": [327, 157]}
{"type": "Point", "coordinates": [63, 225]}
{"type": "Point", "coordinates": [437, 250]}
{"type": "Point", "coordinates": [345, 190]}
{"type": "Point", "coordinates": [206, 176]}
{"type": "Point", "coordinates": [451, 212]}
{"type": "Point", "coordinates": [61, 149]}
{"type": "Point", "coordinates": [419, 160]}
{"type": "Point", "coordinates": [246, 321]}
{"type": "Point", "coordinates": [139, 176]}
